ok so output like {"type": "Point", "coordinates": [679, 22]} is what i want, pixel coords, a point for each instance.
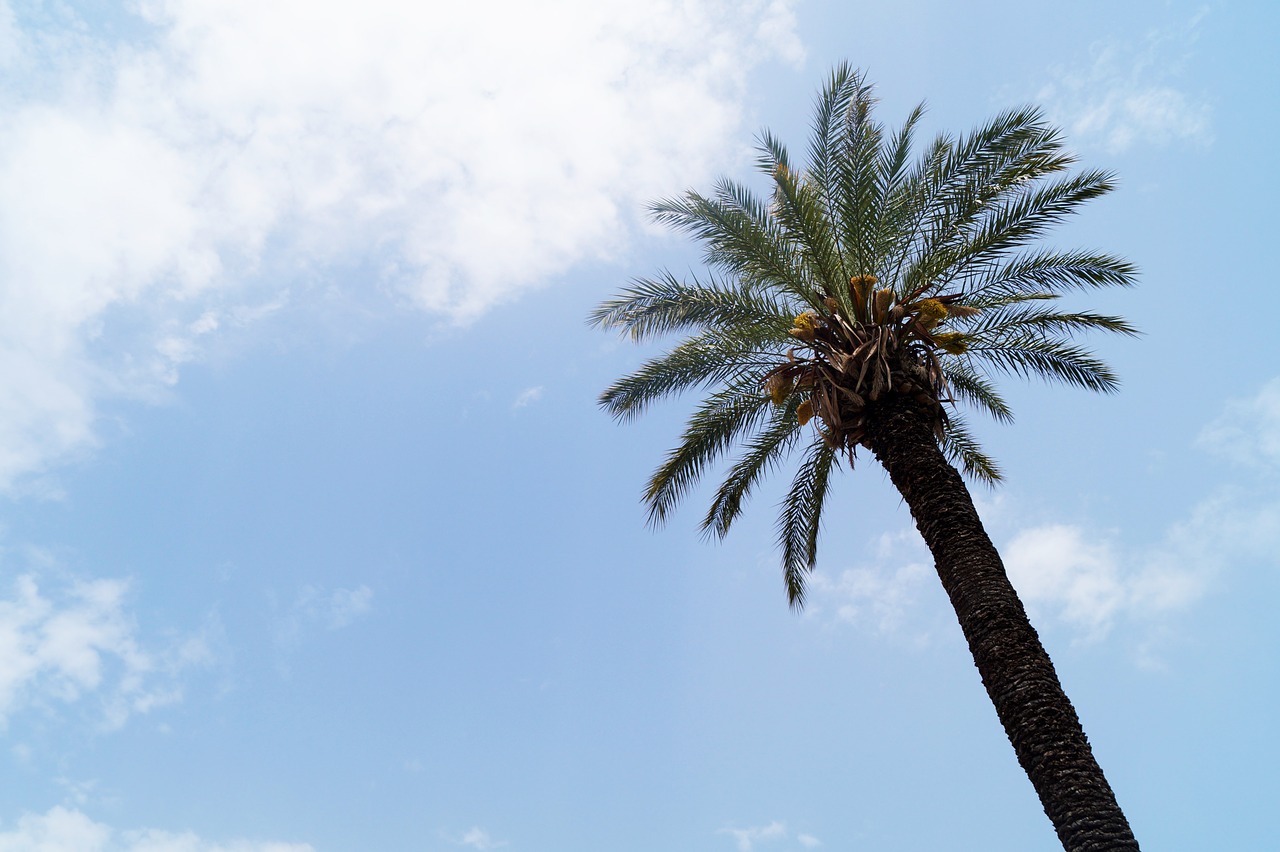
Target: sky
{"type": "Point", "coordinates": [314, 538]}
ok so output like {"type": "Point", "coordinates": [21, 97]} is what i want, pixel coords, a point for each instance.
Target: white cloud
{"type": "Point", "coordinates": [528, 396]}
{"type": "Point", "coordinates": [478, 838]}
{"type": "Point", "coordinates": [747, 839]}
{"type": "Point", "coordinates": [66, 830]}
{"type": "Point", "coordinates": [878, 595]}
{"type": "Point", "coordinates": [318, 608]}
{"type": "Point", "coordinates": [1127, 94]}
{"type": "Point", "coordinates": [1057, 567]}
{"type": "Point", "coordinates": [233, 151]}
{"type": "Point", "coordinates": [1248, 432]}
{"type": "Point", "coordinates": [1087, 579]}
{"type": "Point", "coordinates": [1092, 580]}
{"type": "Point", "coordinates": [1231, 528]}
{"type": "Point", "coordinates": [60, 645]}
{"type": "Point", "coordinates": [808, 841]}
{"type": "Point", "coordinates": [59, 830]}
{"type": "Point", "coordinates": [345, 606]}
{"type": "Point", "coordinates": [77, 792]}
{"type": "Point", "coordinates": [1069, 575]}
{"type": "Point", "coordinates": [1066, 574]}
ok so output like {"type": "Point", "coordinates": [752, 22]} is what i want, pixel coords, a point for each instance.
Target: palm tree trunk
{"type": "Point", "coordinates": [1015, 668]}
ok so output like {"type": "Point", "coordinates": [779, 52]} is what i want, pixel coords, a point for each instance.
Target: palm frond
{"type": "Point", "coordinates": [1035, 356]}
{"type": "Point", "coordinates": [801, 516]}
{"type": "Point", "coordinates": [655, 306]}
{"type": "Point", "coordinates": [1010, 319]}
{"type": "Point", "coordinates": [963, 450]}
{"type": "Point", "coordinates": [1050, 271]}
{"type": "Point", "coordinates": [1022, 219]}
{"type": "Point", "coordinates": [971, 387]}
{"type": "Point", "coordinates": [965, 180]}
{"type": "Point", "coordinates": [855, 190]}
{"type": "Point", "coordinates": [761, 454]}
{"type": "Point", "coordinates": [711, 430]}
{"type": "Point", "coordinates": [799, 209]}
{"type": "Point", "coordinates": [831, 106]}
{"type": "Point", "coordinates": [712, 357]}
{"type": "Point", "coordinates": [911, 201]}
{"type": "Point", "coordinates": [894, 214]}
{"type": "Point", "coordinates": [838, 98]}
{"type": "Point", "coordinates": [740, 235]}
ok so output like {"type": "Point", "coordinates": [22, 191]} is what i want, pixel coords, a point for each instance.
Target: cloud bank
{"type": "Point", "coordinates": [209, 157]}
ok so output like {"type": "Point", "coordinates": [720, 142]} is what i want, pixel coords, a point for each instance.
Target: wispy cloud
{"type": "Point", "coordinates": [316, 608]}
{"type": "Point", "coordinates": [775, 832]}
{"type": "Point", "coordinates": [1247, 433]}
{"type": "Point", "coordinates": [477, 838]}
{"type": "Point", "coordinates": [227, 154]}
{"type": "Point", "coordinates": [880, 594]}
{"type": "Point", "coordinates": [63, 642]}
{"type": "Point", "coordinates": [345, 606]}
{"type": "Point", "coordinates": [528, 396]}
{"type": "Point", "coordinates": [1131, 93]}
{"type": "Point", "coordinates": [69, 830]}
{"type": "Point", "coordinates": [746, 839]}
{"type": "Point", "coordinates": [1093, 579]}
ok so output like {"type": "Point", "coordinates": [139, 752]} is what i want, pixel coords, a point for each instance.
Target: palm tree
{"type": "Point", "coordinates": [868, 295]}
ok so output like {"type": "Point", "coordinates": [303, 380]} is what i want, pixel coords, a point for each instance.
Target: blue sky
{"type": "Point", "coordinates": [315, 539]}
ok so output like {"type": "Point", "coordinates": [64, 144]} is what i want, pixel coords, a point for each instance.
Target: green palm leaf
{"type": "Point", "coordinates": [801, 516]}
{"type": "Point", "coordinates": [763, 453]}
{"type": "Point", "coordinates": [652, 307]}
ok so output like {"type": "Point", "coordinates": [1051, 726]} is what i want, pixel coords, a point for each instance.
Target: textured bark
{"type": "Point", "coordinates": [1015, 668]}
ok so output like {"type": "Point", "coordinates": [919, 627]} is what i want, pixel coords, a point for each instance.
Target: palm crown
{"type": "Point", "coordinates": [864, 275]}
